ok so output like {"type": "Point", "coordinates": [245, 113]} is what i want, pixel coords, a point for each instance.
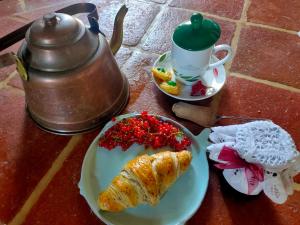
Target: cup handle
{"type": "Point", "coordinates": [225, 59]}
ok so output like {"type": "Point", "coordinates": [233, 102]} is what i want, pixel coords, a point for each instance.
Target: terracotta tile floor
{"type": "Point", "coordinates": [39, 172]}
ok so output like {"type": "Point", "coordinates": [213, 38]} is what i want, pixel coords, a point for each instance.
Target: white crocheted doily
{"type": "Point", "coordinates": [263, 143]}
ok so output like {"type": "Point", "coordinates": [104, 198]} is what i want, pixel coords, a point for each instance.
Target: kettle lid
{"type": "Point", "coordinates": [197, 34]}
{"type": "Point", "coordinates": [54, 29]}
{"type": "Point", "coordinates": [59, 42]}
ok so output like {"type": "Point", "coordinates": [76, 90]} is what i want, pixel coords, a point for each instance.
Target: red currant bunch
{"type": "Point", "coordinates": [147, 130]}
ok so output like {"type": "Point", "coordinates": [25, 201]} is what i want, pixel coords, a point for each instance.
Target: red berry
{"type": "Point", "coordinates": [198, 89]}
{"type": "Point", "coordinates": [144, 129]}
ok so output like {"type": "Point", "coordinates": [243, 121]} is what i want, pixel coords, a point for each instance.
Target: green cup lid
{"type": "Point", "coordinates": [197, 34]}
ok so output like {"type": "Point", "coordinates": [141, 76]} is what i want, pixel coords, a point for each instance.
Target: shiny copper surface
{"type": "Point", "coordinates": [76, 101]}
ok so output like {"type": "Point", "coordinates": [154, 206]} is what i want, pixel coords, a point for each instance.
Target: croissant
{"type": "Point", "coordinates": [144, 180]}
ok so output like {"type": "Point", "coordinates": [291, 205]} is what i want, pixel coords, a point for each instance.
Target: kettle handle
{"type": "Point", "coordinates": [90, 8]}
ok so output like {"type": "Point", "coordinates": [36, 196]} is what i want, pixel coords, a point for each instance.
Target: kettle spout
{"type": "Point", "coordinates": [117, 36]}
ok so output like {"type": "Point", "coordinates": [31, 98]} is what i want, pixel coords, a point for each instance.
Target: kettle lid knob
{"type": "Point", "coordinates": [50, 19]}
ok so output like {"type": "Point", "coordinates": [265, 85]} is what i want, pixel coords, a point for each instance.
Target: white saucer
{"type": "Point", "coordinates": [214, 79]}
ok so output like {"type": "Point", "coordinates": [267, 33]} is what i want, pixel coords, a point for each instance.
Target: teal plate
{"type": "Point", "coordinates": [178, 204]}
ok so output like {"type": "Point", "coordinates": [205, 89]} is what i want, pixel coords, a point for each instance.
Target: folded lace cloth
{"type": "Point", "coordinates": [256, 156]}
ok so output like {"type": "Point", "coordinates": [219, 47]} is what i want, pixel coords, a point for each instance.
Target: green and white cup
{"type": "Point", "coordinates": [193, 44]}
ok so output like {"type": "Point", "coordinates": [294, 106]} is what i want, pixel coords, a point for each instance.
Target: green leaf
{"type": "Point", "coordinates": [179, 136]}
{"type": "Point", "coordinates": [171, 83]}
{"type": "Point", "coordinates": [161, 69]}
{"type": "Point", "coordinates": [162, 58]}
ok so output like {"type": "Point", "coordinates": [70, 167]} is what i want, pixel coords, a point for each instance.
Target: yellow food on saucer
{"type": "Point", "coordinates": [170, 87]}
{"type": "Point", "coordinates": [161, 74]}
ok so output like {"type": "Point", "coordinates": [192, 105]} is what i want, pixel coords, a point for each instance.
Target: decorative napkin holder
{"type": "Point", "coordinates": [256, 156]}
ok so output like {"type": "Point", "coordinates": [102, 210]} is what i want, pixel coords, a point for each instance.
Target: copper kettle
{"type": "Point", "coordinates": [71, 80]}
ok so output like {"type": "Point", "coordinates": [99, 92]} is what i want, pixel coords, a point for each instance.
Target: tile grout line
{"type": "Point", "coordinates": [237, 21]}
{"type": "Point", "coordinates": [219, 17]}
{"type": "Point", "coordinates": [236, 36]}
{"type": "Point", "coordinates": [10, 76]}
{"type": "Point", "coordinates": [46, 179]}
{"type": "Point", "coordinates": [153, 23]}
{"type": "Point", "coordinates": [266, 82]}
{"type": "Point", "coordinates": [270, 27]}
{"type": "Point", "coordinates": [14, 90]}
{"type": "Point", "coordinates": [18, 19]}
{"type": "Point", "coordinates": [234, 45]}
{"type": "Point", "coordinates": [18, 14]}
{"type": "Point", "coordinates": [138, 48]}
{"type": "Point", "coordinates": [4, 84]}
{"type": "Point", "coordinates": [206, 14]}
